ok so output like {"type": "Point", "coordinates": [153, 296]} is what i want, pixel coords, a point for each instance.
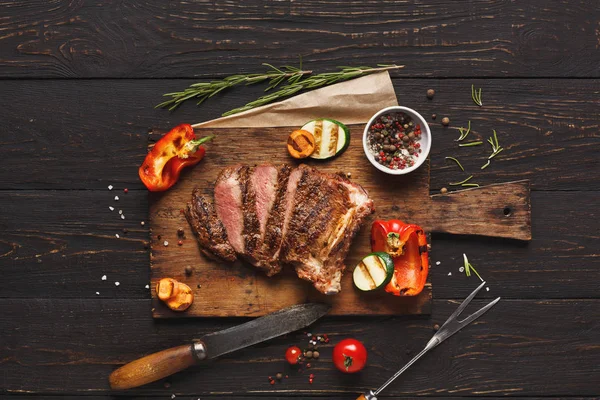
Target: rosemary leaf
{"type": "Point", "coordinates": [476, 96]}
{"type": "Point", "coordinates": [477, 143]}
{"type": "Point", "coordinates": [456, 161]}
{"type": "Point", "coordinates": [470, 185]}
{"type": "Point", "coordinates": [486, 164]}
{"type": "Point", "coordinates": [312, 82]}
{"type": "Point", "coordinates": [468, 267]}
{"type": "Point", "coordinates": [463, 134]}
{"type": "Point", "coordinates": [461, 182]}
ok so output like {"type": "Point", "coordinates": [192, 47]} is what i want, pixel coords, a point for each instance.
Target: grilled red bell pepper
{"type": "Point", "coordinates": [407, 245]}
{"type": "Point", "coordinates": [176, 150]}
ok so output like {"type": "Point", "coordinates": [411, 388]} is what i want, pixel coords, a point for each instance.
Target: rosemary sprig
{"type": "Point", "coordinates": [456, 161]}
{"type": "Point", "coordinates": [476, 96]}
{"type": "Point", "coordinates": [468, 267]}
{"type": "Point", "coordinates": [205, 90]}
{"type": "Point", "coordinates": [313, 82]}
{"type": "Point", "coordinates": [461, 182]}
{"type": "Point", "coordinates": [477, 143]}
{"type": "Point", "coordinates": [463, 133]}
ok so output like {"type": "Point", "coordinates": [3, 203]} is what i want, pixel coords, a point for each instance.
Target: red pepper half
{"type": "Point", "coordinates": [176, 150]}
{"type": "Point", "coordinates": [407, 245]}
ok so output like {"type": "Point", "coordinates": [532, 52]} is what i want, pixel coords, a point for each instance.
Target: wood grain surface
{"type": "Point", "coordinates": [79, 83]}
{"type": "Point", "coordinates": [157, 39]}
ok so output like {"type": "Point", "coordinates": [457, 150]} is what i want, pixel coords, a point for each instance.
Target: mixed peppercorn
{"type": "Point", "coordinates": [393, 140]}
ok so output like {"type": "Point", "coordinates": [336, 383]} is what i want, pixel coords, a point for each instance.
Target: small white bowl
{"type": "Point", "coordinates": [425, 139]}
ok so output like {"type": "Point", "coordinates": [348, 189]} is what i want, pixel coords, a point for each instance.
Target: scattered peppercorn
{"type": "Point", "coordinates": [443, 190]}
{"type": "Point", "coordinates": [272, 382]}
{"type": "Point", "coordinates": [445, 121]}
{"type": "Point", "coordinates": [180, 243]}
{"type": "Point", "coordinates": [308, 365]}
{"type": "Point", "coordinates": [167, 385]}
{"type": "Point", "coordinates": [158, 237]}
{"type": "Point", "coordinates": [433, 116]}
{"type": "Point", "coordinates": [279, 375]}
{"type": "Point", "coordinates": [430, 93]}
{"type": "Point", "coordinates": [436, 327]}
{"type": "Point", "coordinates": [308, 354]}
{"type": "Point", "coordinates": [189, 270]}
{"type": "Point", "coordinates": [315, 354]}
{"type": "Point", "coordinates": [125, 231]}
{"type": "Point", "coordinates": [125, 190]}
{"type": "Point", "coordinates": [180, 232]}
{"type": "Point", "coordinates": [199, 286]}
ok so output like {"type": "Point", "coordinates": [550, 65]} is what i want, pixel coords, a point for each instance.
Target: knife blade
{"type": "Point", "coordinates": [264, 328]}
{"type": "Point", "coordinates": [164, 363]}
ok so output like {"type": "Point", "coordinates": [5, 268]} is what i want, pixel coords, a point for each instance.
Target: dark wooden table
{"type": "Point", "coordinates": [79, 83]}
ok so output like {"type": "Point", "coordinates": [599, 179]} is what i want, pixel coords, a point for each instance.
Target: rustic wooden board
{"type": "Point", "coordinates": [249, 293]}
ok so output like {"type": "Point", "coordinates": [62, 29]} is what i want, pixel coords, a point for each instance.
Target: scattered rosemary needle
{"type": "Point", "coordinates": [486, 164]}
{"type": "Point", "coordinates": [469, 267]}
{"type": "Point", "coordinates": [313, 82]}
{"type": "Point", "coordinates": [456, 161]}
{"type": "Point", "coordinates": [463, 133]}
{"type": "Point", "coordinates": [461, 182]}
{"type": "Point", "coordinates": [477, 143]}
{"type": "Point", "coordinates": [496, 149]}
{"type": "Point", "coordinates": [470, 185]}
{"type": "Point", "coordinates": [205, 90]}
{"type": "Point", "coordinates": [476, 96]}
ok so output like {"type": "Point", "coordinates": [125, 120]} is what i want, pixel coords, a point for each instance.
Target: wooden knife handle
{"type": "Point", "coordinates": [156, 366]}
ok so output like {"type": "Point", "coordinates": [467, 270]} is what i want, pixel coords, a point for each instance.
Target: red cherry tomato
{"type": "Point", "coordinates": [292, 355]}
{"type": "Point", "coordinates": [349, 356]}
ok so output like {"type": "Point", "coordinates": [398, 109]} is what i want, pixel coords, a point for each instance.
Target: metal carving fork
{"type": "Point", "coordinates": [450, 327]}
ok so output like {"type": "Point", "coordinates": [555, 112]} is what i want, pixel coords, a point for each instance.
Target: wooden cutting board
{"type": "Point", "coordinates": [222, 290]}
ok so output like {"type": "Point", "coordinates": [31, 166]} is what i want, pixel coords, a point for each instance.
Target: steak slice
{"type": "Point", "coordinates": [269, 186]}
{"type": "Point", "coordinates": [208, 229]}
{"type": "Point", "coordinates": [324, 212]}
{"type": "Point", "coordinates": [230, 190]}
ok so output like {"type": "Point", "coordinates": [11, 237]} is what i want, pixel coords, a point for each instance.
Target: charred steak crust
{"type": "Point", "coordinates": [268, 252]}
{"type": "Point", "coordinates": [251, 232]}
{"type": "Point", "coordinates": [208, 229]}
{"type": "Point", "coordinates": [328, 211]}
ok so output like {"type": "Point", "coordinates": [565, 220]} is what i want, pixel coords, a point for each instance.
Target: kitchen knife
{"type": "Point", "coordinates": [164, 363]}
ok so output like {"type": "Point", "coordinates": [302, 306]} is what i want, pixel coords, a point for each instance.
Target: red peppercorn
{"type": "Point", "coordinates": [308, 365]}
{"type": "Point", "coordinates": [180, 243]}
{"type": "Point", "coordinates": [272, 382]}
{"type": "Point", "coordinates": [311, 376]}
{"type": "Point", "coordinates": [310, 381]}
{"type": "Point", "coordinates": [125, 190]}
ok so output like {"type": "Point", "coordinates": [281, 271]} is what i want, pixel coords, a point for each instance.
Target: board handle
{"type": "Point", "coordinates": [157, 366]}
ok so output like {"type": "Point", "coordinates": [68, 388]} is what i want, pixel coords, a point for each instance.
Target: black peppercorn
{"type": "Point", "coordinates": [433, 116]}
{"type": "Point", "coordinates": [180, 232]}
{"type": "Point", "coordinates": [188, 270]}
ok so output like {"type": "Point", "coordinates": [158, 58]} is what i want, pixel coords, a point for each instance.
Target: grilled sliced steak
{"type": "Point", "coordinates": [208, 229]}
{"type": "Point", "coordinates": [269, 183]}
{"type": "Point", "coordinates": [230, 190]}
{"type": "Point", "coordinates": [323, 214]}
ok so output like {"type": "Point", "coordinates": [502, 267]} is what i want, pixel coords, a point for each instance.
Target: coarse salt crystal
{"type": "Point", "coordinates": [97, 293]}
{"type": "Point", "coordinates": [165, 243]}
{"type": "Point", "coordinates": [142, 223]}
{"type": "Point", "coordinates": [117, 235]}
{"type": "Point", "coordinates": [487, 289]}
{"type": "Point", "coordinates": [122, 216]}
{"type": "Point", "coordinates": [111, 208]}
{"type": "Point", "coordinates": [116, 198]}
{"type": "Point", "coordinates": [117, 283]}
{"type": "Point", "coordinates": [103, 277]}
{"type": "Point", "coordinates": [449, 273]}
{"type": "Point", "coordinates": [110, 187]}
{"type": "Point", "coordinates": [120, 211]}
{"type": "Point", "coordinates": [147, 286]}
{"type": "Point", "coordinates": [438, 262]}
{"type": "Point", "coordinates": [461, 269]}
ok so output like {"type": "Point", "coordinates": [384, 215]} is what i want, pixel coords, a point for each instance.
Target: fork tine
{"type": "Point", "coordinates": [466, 302]}
{"type": "Point", "coordinates": [478, 314]}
